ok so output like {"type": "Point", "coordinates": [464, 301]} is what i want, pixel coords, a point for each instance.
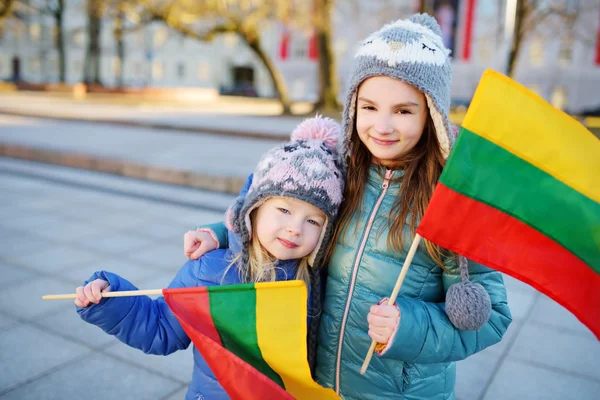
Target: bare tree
{"type": "Point", "coordinates": [6, 7]}
{"type": "Point", "coordinates": [56, 9]}
{"type": "Point", "coordinates": [552, 17]}
{"type": "Point", "coordinates": [52, 8]}
{"type": "Point", "coordinates": [204, 20]}
{"type": "Point", "coordinates": [328, 87]}
{"type": "Point", "coordinates": [91, 72]}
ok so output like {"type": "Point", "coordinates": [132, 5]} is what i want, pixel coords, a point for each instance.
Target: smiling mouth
{"type": "Point", "coordinates": [384, 142]}
{"type": "Point", "coordinates": [287, 243]}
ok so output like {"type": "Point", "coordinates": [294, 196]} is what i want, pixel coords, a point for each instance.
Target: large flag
{"type": "Point", "coordinates": [252, 336]}
{"type": "Point", "coordinates": [520, 193]}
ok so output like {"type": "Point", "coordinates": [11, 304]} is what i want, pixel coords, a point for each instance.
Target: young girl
{"type": "Point", "coordinates": [276, 232]}
{"type": "Point", "coordinates": [397, 140]}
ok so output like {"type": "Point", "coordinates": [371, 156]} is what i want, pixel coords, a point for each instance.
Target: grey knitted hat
{"type": "Point", "coordinates": [307, 168]}
{"type": "Point", "coordinates": [412, 51]}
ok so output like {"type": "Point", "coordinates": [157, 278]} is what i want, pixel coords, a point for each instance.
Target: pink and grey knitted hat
{"type": "Point", "coordinates": [307, 168]}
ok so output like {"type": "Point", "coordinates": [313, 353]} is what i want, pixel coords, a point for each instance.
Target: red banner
{"type": "Point", "coordinates": [597, 61]}
{"type": "Point", "coordinates": [468, 32]}
{"type": "Point", "coordinates": [284, 44]}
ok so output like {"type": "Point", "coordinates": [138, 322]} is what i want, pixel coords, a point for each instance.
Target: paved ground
{"type": "Point", "coordinates": [58, 225]}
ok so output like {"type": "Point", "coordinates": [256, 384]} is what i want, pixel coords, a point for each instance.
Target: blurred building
{"type": "Point", "coordinates": [559, 61]}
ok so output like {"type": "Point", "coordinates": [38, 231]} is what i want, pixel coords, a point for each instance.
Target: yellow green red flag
{"type": "Point", "coordinates": [520, 193]}
{"type": "Point", "coordinates": [253, 337]}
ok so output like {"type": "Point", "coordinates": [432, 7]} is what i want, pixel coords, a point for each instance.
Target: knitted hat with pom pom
{"type": "Point", "coordinates": [307, 168]}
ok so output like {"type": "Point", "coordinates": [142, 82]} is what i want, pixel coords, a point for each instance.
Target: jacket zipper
{"type": "Point", "coordinates": [384, 186]}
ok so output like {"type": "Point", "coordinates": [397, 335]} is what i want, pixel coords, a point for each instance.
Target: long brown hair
{"type": "Point", "coordinates": [422, 169]}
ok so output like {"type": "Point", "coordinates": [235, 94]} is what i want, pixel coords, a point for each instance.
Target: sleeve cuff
{"type": "Point", "coordinates": [382, 348]}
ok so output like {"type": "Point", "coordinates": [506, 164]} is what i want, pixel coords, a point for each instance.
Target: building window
{"type": "Point", "coordinates": [116, 66]}
{"type": "Point", "coordinates": [565, 52]}
{"type": "Point", "coordinates": [158, 70]}
{"type": "Point", "coordinates": [300, 46]}
{"type": "Point", "coordinates": [78, 39]}
{"type": "Point", "coordinates": [536, 52]}
{"type": "Point", "coordinates": [137, 69]}
{"type": "Point", "coordinates": [139, 37]}
{"type": "Point", "coordinates": [52, 65]}
{"type": "Point", "coordinates": [559, 98]}
{"type": "Point", "coordinates": [34, 32]}
{"type": "Point", "coordinates": [77, 67]}
{"type": "Point", "coordinates": [204, 71]}
{"type": "Point", "coordinates": [34, 65]}
{"type": "Point", "coordinates": [160, 36]}
{"type": "Point", "coordinates": [181, 70]}
{"type": "Point", "coordinates": [19, 28]}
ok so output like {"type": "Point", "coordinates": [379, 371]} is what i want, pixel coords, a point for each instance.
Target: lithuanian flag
{"type": "Point", "coordinates": [520, 193]}
{"type": "Point", "coordinates": [253, 337]}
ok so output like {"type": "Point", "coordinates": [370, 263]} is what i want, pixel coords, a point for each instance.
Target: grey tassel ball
{"type": "Point", "coordinates": [468, 306]}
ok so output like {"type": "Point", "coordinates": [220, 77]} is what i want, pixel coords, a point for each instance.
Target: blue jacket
{"type": "Point", "coordinates": [420, 361]}
{"type": "Point", "coordinates": [151, 326]}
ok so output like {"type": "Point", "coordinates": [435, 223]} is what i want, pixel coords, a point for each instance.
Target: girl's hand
{"type": "Point", "coordinates": [91, 293]}
{"type": "Point", "coordinates": [383, 320]}
{"type": "Point", "coordinates": [198, 242]}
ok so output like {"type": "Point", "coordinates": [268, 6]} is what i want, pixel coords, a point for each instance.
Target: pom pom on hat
{"type": "Point", "coordinates": [427, 21]}
{"type": "Point", "coordinates": [319, 128]}
{"type": "Point", "coordinates": [468, 304]}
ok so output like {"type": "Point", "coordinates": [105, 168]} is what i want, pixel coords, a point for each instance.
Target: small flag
{"type": "Point", "coordinates": [253, 337]}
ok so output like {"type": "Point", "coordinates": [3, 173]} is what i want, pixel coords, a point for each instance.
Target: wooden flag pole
{"type": "Point", "coordinates": [403, 271]}
{"type": "Point", "coordinates": [124, 293]}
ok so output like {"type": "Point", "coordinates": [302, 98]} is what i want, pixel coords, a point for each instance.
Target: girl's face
{"type": "Point", "coordinates": [390, 117]}
{"type": "Point", "coordinates": [288, 228]}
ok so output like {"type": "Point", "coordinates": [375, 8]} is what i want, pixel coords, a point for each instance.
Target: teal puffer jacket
{"type": "Point", "coordinates": [420, 362]}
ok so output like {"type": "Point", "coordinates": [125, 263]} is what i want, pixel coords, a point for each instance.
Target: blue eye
{"type": "Point", "coordinates": [313, 222]}
{"type": "Point", "coordinates": [283, 210]}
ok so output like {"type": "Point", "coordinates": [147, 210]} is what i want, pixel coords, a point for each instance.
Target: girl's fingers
{"type": "Point", "coordinates": [378, 338]}
{"type": "Point", "coordinates": [81, 300]}
{"type": "Point", "coordinates": [375, 320]}
{"type": "Point", "coordinates": [385, 310]}
{"type": "Point", "coordinates": [191, 248]}
{"type": "Point", "coordinates": [87, 290]}
{"type": "Point", "coordinates": [97, 287]}
{"type": "Point", "coordinates": [204, 247]}
{"type": "Point", "coordinates": [385, 332]}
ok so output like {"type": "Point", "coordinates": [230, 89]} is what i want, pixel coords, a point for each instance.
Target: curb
{"type": "Point", "coordinates": [224, 184]}
{"type": "Point", "coordinates": [277, 137]}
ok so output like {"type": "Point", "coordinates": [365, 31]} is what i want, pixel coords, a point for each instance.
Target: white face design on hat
{"type": "Point", "coordinates": [423, 51]}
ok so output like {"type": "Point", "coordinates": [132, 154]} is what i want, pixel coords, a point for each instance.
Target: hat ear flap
{"type": "Point", "coordinates": [232, 216]}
